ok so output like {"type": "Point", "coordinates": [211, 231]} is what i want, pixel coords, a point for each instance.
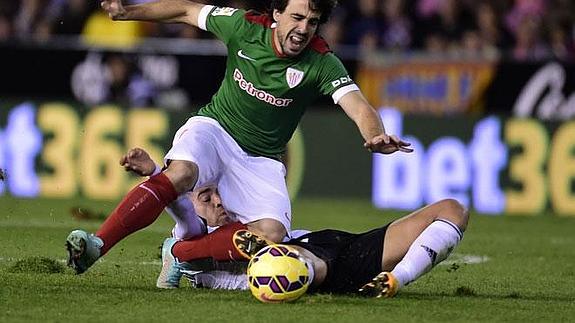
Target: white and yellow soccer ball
{"type": "Point", "coordinates": [277, 273]}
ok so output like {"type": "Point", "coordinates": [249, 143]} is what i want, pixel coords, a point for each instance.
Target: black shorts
{"type": "Point", "coordinates": [352, 259]}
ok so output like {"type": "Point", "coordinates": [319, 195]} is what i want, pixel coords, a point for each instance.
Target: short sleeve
{"type": "Point", "coordinates": [223, 22]}
{"type": "Point", "coordinates": [334, 78]}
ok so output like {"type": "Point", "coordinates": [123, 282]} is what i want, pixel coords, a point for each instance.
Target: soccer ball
{"type": "Point", "coordinates": [278, 274]}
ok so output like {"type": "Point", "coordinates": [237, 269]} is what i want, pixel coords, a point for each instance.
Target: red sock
{"type": "Point", "coordinates": [217, 245]}
{"type": "Point", "coordinates": [140, 208]}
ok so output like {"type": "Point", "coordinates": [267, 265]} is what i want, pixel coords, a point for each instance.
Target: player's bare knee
{"type": "Point", "coordinates": [455, 212]}
{"type": "Point", "coordinates": [273, 231]}
{"type": "Point", "coordinates": [464, 219]}
{"type": "Point", "coordinates": [269, 229]}
{"type": "Point", "coordinates": [183, 175]}
{"type": "Point", "coordinates": [276, 236]}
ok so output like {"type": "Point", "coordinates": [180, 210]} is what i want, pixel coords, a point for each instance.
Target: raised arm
{"type": "Point", "coordinates": [367, 120]}
{"type": "Point", "coordinates": [168, 11]}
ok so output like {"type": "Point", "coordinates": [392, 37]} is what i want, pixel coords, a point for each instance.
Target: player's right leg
{"type": "Point", "coordinates": [192, 160]}
{"type": "Point", "coordinates": [416, 243]}
{"type": "Point", "coordinates": [140, 208]}
{"type": "Point", "coordinates": [188, 223]}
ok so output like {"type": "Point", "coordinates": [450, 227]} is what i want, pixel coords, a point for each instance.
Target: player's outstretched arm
{"type": "Point", "coordinates": [168, 11]}
{"type": "Point", "coordinates": [367, 120]}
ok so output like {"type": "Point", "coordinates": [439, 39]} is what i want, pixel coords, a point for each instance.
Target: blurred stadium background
{"type": "Point", "coordinates": [485, 91]}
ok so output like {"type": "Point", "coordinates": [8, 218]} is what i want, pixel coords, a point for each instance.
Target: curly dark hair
{"type": "Point", "coordinates": [325, 7]}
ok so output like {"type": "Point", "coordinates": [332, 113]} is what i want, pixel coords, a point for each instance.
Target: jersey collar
{"type": "Point", "coordinates": [276, 50]}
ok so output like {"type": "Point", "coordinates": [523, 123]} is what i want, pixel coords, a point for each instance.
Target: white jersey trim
{"type": "Point", "coordinates": [203, 17]}
{"type": "Point", "coordinates": [337, 95]}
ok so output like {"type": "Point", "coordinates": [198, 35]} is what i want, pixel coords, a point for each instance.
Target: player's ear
{"type": "Point", "coordinates": [276, 15]}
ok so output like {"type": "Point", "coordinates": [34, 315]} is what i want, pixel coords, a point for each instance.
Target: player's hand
{"type": "Point", "coordinates": [385, 144]}
{"type": "Point", "coordinates": [114, 8]}
{"type": "Point", "coordinates": [138, 161]}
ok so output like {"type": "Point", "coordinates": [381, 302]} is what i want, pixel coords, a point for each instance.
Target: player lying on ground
{"type": "Point", "coordinates": [276, 67]}
{"type": "Point", "coordinates": [333, 254]}
{"type": "Point", "coordinates": [375, 263]}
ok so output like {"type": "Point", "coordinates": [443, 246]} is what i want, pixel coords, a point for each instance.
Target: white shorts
{"type": "Point", "coordinates": [252, 188]}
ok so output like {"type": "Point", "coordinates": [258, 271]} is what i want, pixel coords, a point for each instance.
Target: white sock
{"type": "Point", "coordinates": [188, 223]}
{"type": "Point", "coordinates": [311, 270]}
{"type": "Point", "coordinates": [431, 247]}
{"type": "Point", "coordinates": [225, 280]}
{"type": "Point", "coordinates": [222, 280]}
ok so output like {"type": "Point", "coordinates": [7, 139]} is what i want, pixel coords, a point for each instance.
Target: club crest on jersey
{"type": "Point", "coordinates": [293, 77]}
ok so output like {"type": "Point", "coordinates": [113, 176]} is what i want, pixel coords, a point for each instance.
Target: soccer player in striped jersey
{"type": "Point", "coordinates": [276, 67]}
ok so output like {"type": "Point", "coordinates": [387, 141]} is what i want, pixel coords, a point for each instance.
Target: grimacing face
{"type": "Point", "coordinates": [296, 25]}
{"type": "Point", "coordinates": [208, 205]}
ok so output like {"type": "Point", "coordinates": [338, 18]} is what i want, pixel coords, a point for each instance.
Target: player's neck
{"type": "Point", "coordinates": [276, 45]}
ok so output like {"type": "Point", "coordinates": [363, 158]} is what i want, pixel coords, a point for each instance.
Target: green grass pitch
{"type": "Point", "coordinates": [506, 269]}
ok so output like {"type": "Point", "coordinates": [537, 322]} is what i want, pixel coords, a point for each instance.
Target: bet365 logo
{"type": "Point", "coordinates": [341, 80]}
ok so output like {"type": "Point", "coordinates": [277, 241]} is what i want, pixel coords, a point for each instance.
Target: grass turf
{"type": "Point", "coordinates": [506, 269]}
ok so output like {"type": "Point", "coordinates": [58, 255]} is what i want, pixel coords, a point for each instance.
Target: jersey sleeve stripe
{"type": "Point", "coordinates": [339, 93]}
{"type": "Point", "coordinates": [203, 17]}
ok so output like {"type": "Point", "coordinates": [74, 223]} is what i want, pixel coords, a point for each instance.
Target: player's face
{"type": "Point", "coordinates": [296, 25]}
{"type": "Point", "coordinates": [208, 204]}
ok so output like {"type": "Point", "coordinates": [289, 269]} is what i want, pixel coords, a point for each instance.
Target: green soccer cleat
{"type": "Point", "coordinates": [248, 243]}
{"type": "Point", "coordinates": [83, 250]}
{"type": "Point", "coordinates": [382, 285]}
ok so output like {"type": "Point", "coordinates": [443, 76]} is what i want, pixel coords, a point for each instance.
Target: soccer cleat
{"type": "Point", "coordinates": [173, 270]}
{"type": "Point", "coordinates": [171, 273]}
{"type": "Point", "coordinates": [83, 250]}
{"type": "Point", "coordinates": [382, 285]}
{"type": "Point", "coordinates": [248, 243]}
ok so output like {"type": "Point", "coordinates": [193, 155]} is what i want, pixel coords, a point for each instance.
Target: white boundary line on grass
{"type": "Point", "coordinates": [465, 259]}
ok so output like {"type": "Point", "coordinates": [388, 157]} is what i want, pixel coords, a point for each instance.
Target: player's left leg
{"type": "Point", "coordinates": [217, 245]}
{"type": "Point", "coordinates": [188, 258]}
{"type": "Point", "coordinates": [173, 268]}
{"type": "Point", "coordinates": [249, 243]}
{"type": "Point", "coordinates": [416, 243]}
{"type": "Point", "coordinates": [231, 242]}
{"type": "Point", "coordinates": [179, 255]}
